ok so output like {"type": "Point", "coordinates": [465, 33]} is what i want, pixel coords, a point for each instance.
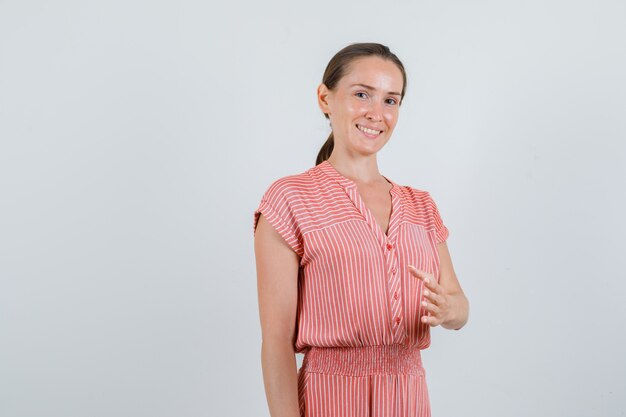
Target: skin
{"type": "Point", "coordinates": [354, 156]}
{"type": "Point", "coordinates": [277, 284]}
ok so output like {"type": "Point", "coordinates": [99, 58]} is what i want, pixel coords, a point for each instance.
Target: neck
{"type": "Point", "coordinates": [362, 170]}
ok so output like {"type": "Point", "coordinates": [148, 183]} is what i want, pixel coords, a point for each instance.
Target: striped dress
{"type": "Point", "coordinates": [359, 308]}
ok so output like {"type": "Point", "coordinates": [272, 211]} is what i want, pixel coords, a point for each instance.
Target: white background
{"type": "Point", "coordinates": [136, 140]}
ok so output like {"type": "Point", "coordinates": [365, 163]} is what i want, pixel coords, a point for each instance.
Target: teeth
{"type": "Point", "coordinates": [370, 131]}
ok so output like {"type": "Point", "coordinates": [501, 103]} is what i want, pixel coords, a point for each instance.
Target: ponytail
{"type": "Point", "coordinates": [326, 150]}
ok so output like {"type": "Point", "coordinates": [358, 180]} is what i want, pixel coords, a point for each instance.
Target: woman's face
{"type": "Point", "coordinates": [367, 97]}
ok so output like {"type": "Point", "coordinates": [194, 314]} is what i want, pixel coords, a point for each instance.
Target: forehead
{"type": "Point", "coordinates": [379, 73]}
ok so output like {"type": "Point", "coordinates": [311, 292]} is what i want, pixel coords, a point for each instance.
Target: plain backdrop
{"type": "Point", "coordinates": [137, 138]}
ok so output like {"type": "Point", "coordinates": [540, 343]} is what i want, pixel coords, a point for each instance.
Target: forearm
{"type": "Point", "coordinates": [280, 377]}
{"type": "Point", "coordinates": [460, 312]}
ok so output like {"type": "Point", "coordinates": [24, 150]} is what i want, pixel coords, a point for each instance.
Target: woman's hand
{"type": "Point", "coordinates": [436, 300]}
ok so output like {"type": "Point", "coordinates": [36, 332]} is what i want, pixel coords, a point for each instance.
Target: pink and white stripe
{"type": "Point", "coordinates": [359, 310]}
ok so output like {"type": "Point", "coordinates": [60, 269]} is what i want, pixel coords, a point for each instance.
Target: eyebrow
{"type": "Point", "coordinates": [369, 87]}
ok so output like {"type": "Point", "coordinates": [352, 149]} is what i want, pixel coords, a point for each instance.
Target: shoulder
{"type": "Point", "coordinates": [416, 194]}
{"type": "Point", "coordinates": [420, 203]}
{"type": "Point", "coordinates": [423, 210]}
{"type": "Point", "coordinates": [289, 186]}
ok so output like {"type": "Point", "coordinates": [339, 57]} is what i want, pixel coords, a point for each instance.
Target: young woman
{"type": "Point", "coordinates": [352, 268]}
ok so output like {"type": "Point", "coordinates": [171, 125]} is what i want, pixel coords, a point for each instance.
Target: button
{"type": "Point", "coordinates": [389, 246]}
{"type": "Point", "coordinates": [393, 270]}
{"type": "Point", "coordinates": [395, 296]}
{"type": "Point", "coordinates": [397, 320]}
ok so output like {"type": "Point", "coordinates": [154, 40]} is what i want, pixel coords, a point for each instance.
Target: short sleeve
{"type": "Point", "coordinates": [441, 231]}
{"type": "Point", "coordinates": [277, 205]}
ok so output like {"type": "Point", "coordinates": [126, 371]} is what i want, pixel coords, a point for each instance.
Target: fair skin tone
{"type": "Point", "coordinates": [367, 96]}
{"type": "Point", "coordinates": [277, 284]}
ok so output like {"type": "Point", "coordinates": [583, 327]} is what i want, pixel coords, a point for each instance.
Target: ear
{"type": "Point", "coordinates": [322, 98]}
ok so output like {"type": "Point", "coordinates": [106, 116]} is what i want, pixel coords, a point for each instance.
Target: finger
{"type": "Point", "coordinates": [431, 307]}
{"type": "Point", "coordinates": [423, 275]}
{"type": "Point", "coordinates": [433, 286]}
{"type": "Point", "coordinates": [430, 320]}
{"type": "Point", "coordinates": [416, 272]}
{"type": "Point", "coordinates": [437, 298]}
{"type": "Point", "coordinates": [432, 297]}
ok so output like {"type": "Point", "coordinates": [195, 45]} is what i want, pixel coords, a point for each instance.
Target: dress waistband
{"type": "Point", "coordinates": [364, 360]}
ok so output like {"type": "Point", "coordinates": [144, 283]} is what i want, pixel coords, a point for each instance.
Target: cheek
{"type": "Point", "coordinates": [391, 118]}
{"type": "Point", "coordinates": [357, 107]}
{"type": "Point", "coordinates": [354, 109]}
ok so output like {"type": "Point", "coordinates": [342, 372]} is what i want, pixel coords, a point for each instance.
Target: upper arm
{"type": "Point", "coordinates": [447, 278]}
{"type": "Point", "coordinates": [277, 281]}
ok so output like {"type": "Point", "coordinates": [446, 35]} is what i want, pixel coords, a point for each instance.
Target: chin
{"type": "Point", "coordinates": [369, 150]}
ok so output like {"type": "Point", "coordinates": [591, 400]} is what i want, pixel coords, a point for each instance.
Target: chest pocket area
{"type": "Point", "coordinates": [419, 248]}
{"type": "Point", "coordinates": [346, 271]}
{"type": "Point", "coordinates": [342, 246]}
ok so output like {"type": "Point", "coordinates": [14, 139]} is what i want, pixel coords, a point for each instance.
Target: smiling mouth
{"type": "Point", "coordinates": [369, 132]}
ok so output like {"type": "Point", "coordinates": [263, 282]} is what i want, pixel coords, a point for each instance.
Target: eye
{"type": "Point", "coordinates": [360, 92]}
{"type": "Point", "coordinates": [393, 101]}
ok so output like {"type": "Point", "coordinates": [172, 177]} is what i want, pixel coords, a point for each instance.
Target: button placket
{"type": "Point", "coordinates": [386, 239]}
{"type": "Point", "coordinates": [395, 303]}
{"type": "Point", "coordinates": [394, 282]}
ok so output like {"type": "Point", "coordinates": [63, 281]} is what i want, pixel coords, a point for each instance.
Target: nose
{"type": "Point", "coordinates": [374, 112]}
